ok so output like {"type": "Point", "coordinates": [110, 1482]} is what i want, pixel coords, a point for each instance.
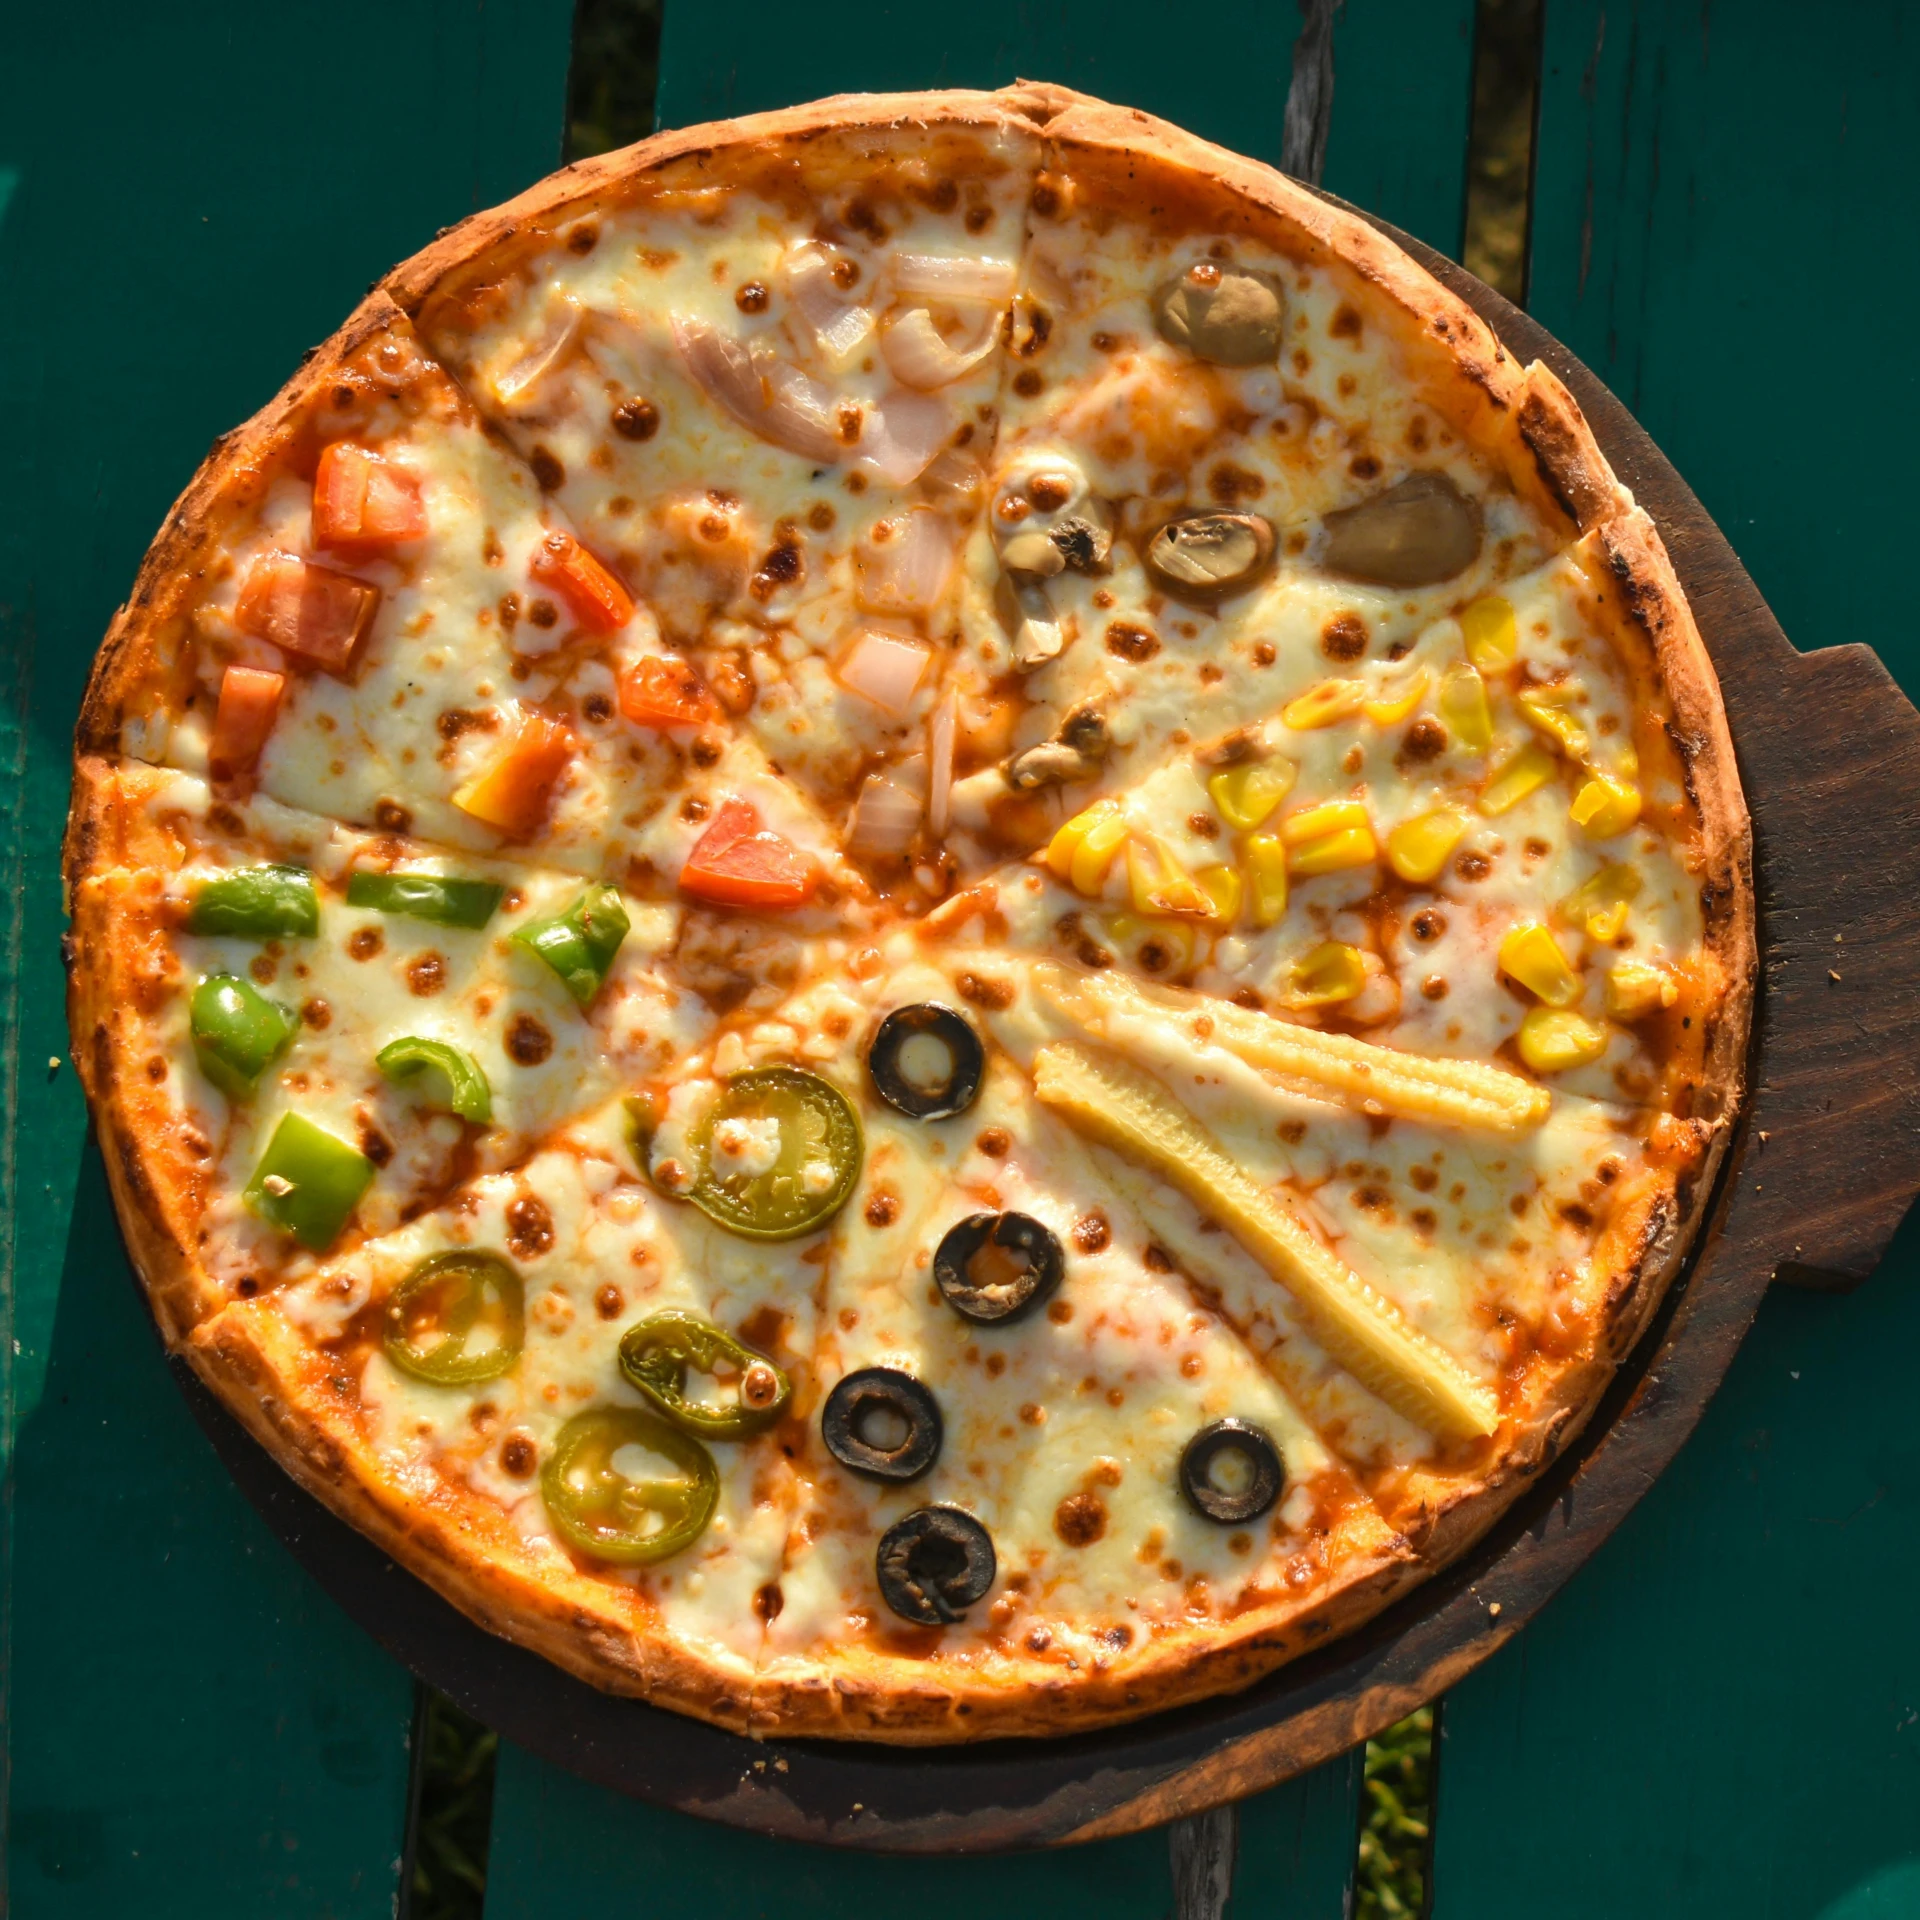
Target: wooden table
{"type": "Point", "coordinates": [1720, 1716]}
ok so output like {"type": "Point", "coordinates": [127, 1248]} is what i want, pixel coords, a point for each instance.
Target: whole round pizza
{"type": "Point", "coordinates": [912, 921]}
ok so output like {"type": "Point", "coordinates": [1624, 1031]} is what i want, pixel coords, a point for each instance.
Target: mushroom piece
{"type": "Point", "coordinates": [1037, 635]}
{"type": "Point", "coordinates": [1229, 315]}
{"type": "Point", "coordinates": [1414, 535]}
{"type": "Point", "coordinates": [1044, 501]}
{"type": "Point", "coordinates": [1074, 753]}
{"type": "Point", "coordinates": [1205, 556]}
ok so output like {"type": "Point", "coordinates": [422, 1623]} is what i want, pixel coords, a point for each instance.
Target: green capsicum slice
{"type": "Point", "coordinates": [238, 1033]}
{"type": "Point", "coordinates": [308, 1182]}
{"type": "Point", "coordinates": [818, 1150]}
{"type": "Point", "coordinates": [257, 903]}
{"type": "Point", "coordinates": [626, 1514]}
{"type": "Point", "coordinates": [410, 1056]}
{"type": "Point", "coordinates": [657, 1354]}
{"type": "Point", "coordinates": [579, 944]}
{"type": "Point", "coordinates": [458, 1318]}
{"type": "Point", "coordinates": [445, 899]}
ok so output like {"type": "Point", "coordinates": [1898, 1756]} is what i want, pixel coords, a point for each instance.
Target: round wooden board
{"type": "Point", "coordinates": [1830, 754]}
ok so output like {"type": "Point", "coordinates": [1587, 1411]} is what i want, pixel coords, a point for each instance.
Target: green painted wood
{"type": "Point", "coordinates": [188, 198]}
{"type": "Point", "coordinates": [1722, 1713]}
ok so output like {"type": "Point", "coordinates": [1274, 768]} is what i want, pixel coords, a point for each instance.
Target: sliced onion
{"type": "Point", "coordinates": [902, 566]}
{"type": "Point", "coordinates": [886, 668]}
{"type": "Point", "coordinates": [937, 277]}
{"type": "Point", "coordinates": [776, 401]}
{"type": "Point", "coordinates": [839, 326]}
{"type": "Point", "coordinates": [940, 735]}
{"type": "Point", "coordinates": [920, 356]}
{"type": "Point", "coordinates": [887, 813]}
{"type": "Point", "coordinates": [954, 476]}
{"type": "Point", "coordinates": [901, 434]}
{"type": "Point", "coordinates": [556, 341]}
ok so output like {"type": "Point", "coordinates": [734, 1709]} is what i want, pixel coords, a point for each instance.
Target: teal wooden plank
{"type": "Point", "coordinates": [1722, 1714]}
{"type": "Point", "coordinates": [187, 200]}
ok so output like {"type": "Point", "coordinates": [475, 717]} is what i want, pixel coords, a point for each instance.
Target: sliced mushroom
{"type": "Point", "coordinates": [1037, 635]}
{"type": "Point", "coordinates": [1032, 551]}
{"type": "Point", "coordinates": [1205, 556]}
{"type": "Point", "coordinates": [1085, 731]}
{"type": "Point", "coordinates": [1074, 753]}
{"type": "Point", "coordinates": [1422, 531]}
{"type": "Point", "coordinates": [1043, 501]}
{"type": "Point", "coordinates": [1229, 315]}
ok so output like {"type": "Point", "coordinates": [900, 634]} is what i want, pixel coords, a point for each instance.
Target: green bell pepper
{"type": "Point", "coordinates": [257, 903]}
{"type": "Point", "coordinates": [579, 944]}
{"type": "Point", "coordinates": [608, 1514]}
{"type": "Point", "coordinates": [410, 1056]}
{"type": "Point", "coordinates": [657, 1354]}
{"type": "Point", "coordinates": [445, 899]}
{"type": "Point", "coordinates": [238, 1033]}
{"type": "Point", "coordinates": [308, 1182]}
{"type": "Point", "coordinates": [458, 1318]}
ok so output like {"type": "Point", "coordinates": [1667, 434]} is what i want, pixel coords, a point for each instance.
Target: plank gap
{"type": "Point", "coordinates": [449, 1813]}
{"type": "Point", "coordinates": [1393, 1857]}
{"type": "Point", "coordinates": [613, 77]}
{"type": "Point", "coordinates": [1501, 142]}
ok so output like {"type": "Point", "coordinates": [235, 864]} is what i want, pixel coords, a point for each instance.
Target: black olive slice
{"type": "Point", "coordinates": [997, 1266]}
{"type": "Point", "coordinates": [927, 1061]}
{"type": "Point", "coordinates": [933, 1565]}
{"type": "Point", "coordinates": [882, 1422]}
{"type": "Point", "coordinates": [1231, 1471]}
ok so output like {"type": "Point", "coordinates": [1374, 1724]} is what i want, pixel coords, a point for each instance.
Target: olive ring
{"type": "Point", "coordinates": [845, 1423]}
{"type": "Point", "coordinates": [941, 1030]}
{"type": "Point", "coordinates": [933, 1565]}
{"type": "Point", "coordinates": [987, 1299]}
{"type": "Point", "coordinates": [1230, 1506]}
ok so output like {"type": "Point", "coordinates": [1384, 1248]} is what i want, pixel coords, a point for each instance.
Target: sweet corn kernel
{"type": "Point", "coordinates": [1533, 766]}
{"type": "Point", "coordinates": [1391, 708]}
{"type": "Point", "coordinates": [1093, 858]}
{"type": "Point", "coordinates": [1334, 852]}
{"type": "Point", "coordinates": [1329, 974]}
{"type": "Point", "coordinates": [1321, 706]}
{"type": "Point", "coordinates": [1331, 816]}
{"type": "Point", "coordinates": [1599, 905]}
{"type": "Point", "coordinates": [1463, 706]}
{"type": "Point", "coordinates": [1222, 886]}
{"type": "Point", "coordinates": [1418, 849]}
{"type": "Point", "coordinates": [1157, 883]}
{"type": "Point", "coordinates": [1156, 946]}
{"type": "Point", "coordinates": [1244, 796]}
{"type": "Point", "coordinates": [1552, 1039]}
{"type": "Point", "coordinates": [1634, 990]}
{"type": "Point", "coordinates": [1531, 955]}
{"type": "Point", "coordinates": [1493, 635]}
{"type": "Point", "coordinates": [1605, 806]}
{"type": "Point", "coordinates": [1266, 863]}
{"type": "Point", "coordinates": [1067, 840]}
{"type": "Point", "coordinates": [1546, 708]}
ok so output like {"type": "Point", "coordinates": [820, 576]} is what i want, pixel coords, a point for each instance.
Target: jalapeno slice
{"type": "Point", "coordinates": [410, 1056]}
{"type": "Point", "coordinates": [817, 1153]}
{"type": "Point", "coordinates": [444, 898]}
{"type": "Point", "coordinates": [238, 1033]}
{"type": "Point", "coordinates": [658, 1353]}
{"type": "Point", "coordinates": [628, 1511]}
{"type": "Point", "coordinates": [579, 944]}
{"type": "Point", "coordinates": [458, 1318]}
{"type": "Point", "coordinates": [308, 1182]}
{"type": "Point", "coordinates": [257, 903]}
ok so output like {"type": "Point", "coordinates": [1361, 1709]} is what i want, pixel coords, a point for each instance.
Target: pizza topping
{"type": "Point", "coordinates": [767, 395]}
{"type": "Point", "coordinates": [927, 1061]}
{"type": "Point", "coordinates": [1047, 519]}
{"type": "Point", "coordinates": [257, 903]}
{"type": "Point", "coordinates": [308, 1182]}
{"type": "Point", "coordinates": [1229, 315]}
{"type": "Point", "coordinates": [901, 433]}
{"type": "Point", "coordinates": [512, 794]}
{"type": "Point", "coordinates": [312, 612]}
{"type": "Point", "coordinates": [1418, 849]}
{"type": "Point", "coordinates": [594, 596]}
{"type": "Point", "coordinates": [238, 1033]}
{"type": "Point", "coordinates": [1552, 1039]}
{"type": "Point", "coordinates": [657, 1354]}
{"type": "Point", "coordinates": [580, 944]}
{"type": "Point", "coordinates": [362, 503]}
{"type": "Point", "coordinates": [1204, 556]}
{"type": "Point", "coordinates": [565, 324]}
{"type": "Point", "coordinates": [994, 1267]}
{"type": "Point", "coordinates": [659, 690]}
{"type": "Point", "coordinates": [956, 280]}
{"type": "Point", "coordinates": [1231, 1472]}
{"type": "Point", "coordinates": [817, 277]}
{"type": "Point", "coordinates": [902, 565]}
{"type": "Point", "coordinates": [887, 811]}
{"type": "Point", "coordinates": [941, 729]}
{"type": "Point", "coordinates": [1517, 776]}
{"type": "Point", "coordinates": [921, 356]}
{"type": "Point", "coordinates": [444, 899]}
{"type": "Point", "coordinates": [1328, 838]}
{"type": "Point", "coordinates": [737, 863]}
{"type": "Point", "coordinates": [1413, 535]}
{"type": "Point", "coordinates": [467, 1092]}
{"type": "Point", "coordinates": [885, 668]}
{"type": "Point", "coordinates": [1605, 807]}
{"type": "Point", "coordinates": [457, 1319]}
{"type": "Point", "coordinates": [1463, 706]}
{"type": "Point", "coordinates": [1077, 752]}
{"type": "Point", "coordinates": [623, 1486]}
{"type": "Point", "coordinates": [882, 1423]}
{"type": "Point", "coordinates": [1635, 990]}
{"type": "Point", "coordinates": [1531, 955]}
{"type": "Point", "coordinates": [934, 1564]}
{"type": "Point", "coordinates": [243, 720]}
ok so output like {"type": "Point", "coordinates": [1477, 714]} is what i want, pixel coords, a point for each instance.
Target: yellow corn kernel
{"type": "Point", "coordinates": [1321, 706]}
{"type": "Point", "coordinates": [1392, 708]}
{"type": "Point", "coordinates": [1418, 849]}
{"type": "Point", "coordinates": [1154, 946]}
{"type": "Point", "coordinates": [1328, 838]}
{"type": "Point", "coordinates": [1066, 842]}
{"type": "Point", "coordinates": [1326, 976]}
{"type": "Point", "coordinates": [1463, 706]}
{"type": "Point", "coordinates": [1493, 635]}
{"type": "Point", "coordinates": [1533, 766]}
{"type": "Point", "coordinates": [1223, 887]}
{"type": "Point", "coordinates": [1552, 1039]}
{"type": "Point", "coordinates": [1244, 796]}
{"type": "Point", "coordinates": [1605, 806]}
{"type": "Point", "coordinates": [1634, 990]}
{"type": "Point", "coordinates": [1312, 823]}
{"type": "Point", "coordinates": [1266, 861]}
{"type": "Point", "coordinates": [1093, 858]}
{"type": "Point", "coordinates": [1531, 955]}
{"type": "Point", "coordinates": [1157, 883]}
{"type": "Point", "coordinates": [1599, 904]}
{"type": "Point", "coordinates": [1546, 707]}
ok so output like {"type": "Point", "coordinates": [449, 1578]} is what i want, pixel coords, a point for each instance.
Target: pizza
{"type": "Point", "coordinates": [912, 921]}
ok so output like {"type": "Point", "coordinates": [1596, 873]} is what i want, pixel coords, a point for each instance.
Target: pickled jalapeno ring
{"type": "Point", "coordinates": [934, 1564]}
{"type": "Point", "coordinates": [458, 1318]}
{"type": "Point", "coordinates": [611, 1491]}
{"type": "Point", "coordinates": [926, 1060]}
{"type": "Point", "coordinates": [658, 1353]}
{"type": "Point", "coordinates": [1232, 1471]}
{"type": "Point", "coordinates": [795, 1146]}
{"type": "Point", "coordinates": [993, 1267]}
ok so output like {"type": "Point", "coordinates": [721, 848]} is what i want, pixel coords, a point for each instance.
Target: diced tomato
{"type": "Point", "coordinates": [361, 501]}
{"type": "Point", "coordinates": [318, 614]}
{"type": "Point", "coordinates": [594, 596]}
{"type": "Point", "coordinates": [249, 705]}
{"type": "Point", "coordinates": [664, 692]}
{"type": "Point", "coordinates": [737, 863]}
{"type": "Point", "coordinates": [514, 791]}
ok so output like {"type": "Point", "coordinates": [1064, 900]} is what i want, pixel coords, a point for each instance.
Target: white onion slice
{"type": "Point", "coordinates": [779, 404]}
{"type": "Point", "coordinates": [920, 356]}
{"type": "Point", "coordinates": [903, 564]}
{"type": "Point", "coordinates": [941, 730]}
{"type": "Point", "coordinates": [887, 813]}
{"type": "Point", "coordinates": [839, 326]}
{"type": "Point", "coordinates": [557, 340]}
{"type": "Point", "coordinates": [938, 277]}
{"type": "Point", "coordinates": [886, 668]}
{"type": "Point", "coordinates": [901, 434]}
